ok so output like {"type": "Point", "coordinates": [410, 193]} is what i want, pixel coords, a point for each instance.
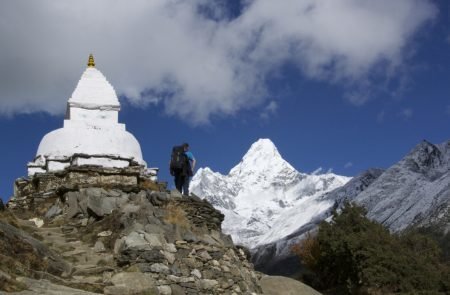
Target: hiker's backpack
{"type": "Point", "coordinates": [178, 160]}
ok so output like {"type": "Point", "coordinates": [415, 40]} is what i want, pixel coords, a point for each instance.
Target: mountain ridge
{"type": "Point", "coordinates": [410, 188]}
{"type": "Point", "coordinates": [415, 191]}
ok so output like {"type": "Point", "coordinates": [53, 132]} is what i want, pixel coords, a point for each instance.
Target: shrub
{"type": "Point", "coordinates": [308, 250]}
{"type": "Point", "coordinates": [176, 215]}
{"type": "Point", "coordinates": [354, 255]}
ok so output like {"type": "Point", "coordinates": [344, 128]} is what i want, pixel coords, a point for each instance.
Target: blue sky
{"type": "Point", "coordinates": [344, 86]}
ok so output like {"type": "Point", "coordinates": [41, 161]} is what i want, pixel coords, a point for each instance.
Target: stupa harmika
{"type": "Point", "coordinates": [91, 134]}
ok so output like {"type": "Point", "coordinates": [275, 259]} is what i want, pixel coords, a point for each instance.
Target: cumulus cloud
{"type": "Point", "coordinates": [190, 55]}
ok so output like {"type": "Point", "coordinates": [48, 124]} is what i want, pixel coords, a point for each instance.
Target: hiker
{"type": "Point", "coordinates": [191, 168]}
{"type": "Point", "coordinates": [182, 164]}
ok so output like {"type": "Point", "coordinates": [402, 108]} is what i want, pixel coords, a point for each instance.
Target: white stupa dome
{"type": "Point", "coordinates": [66, 142]}
{"type": "Point", "coordinates": [91, 134]}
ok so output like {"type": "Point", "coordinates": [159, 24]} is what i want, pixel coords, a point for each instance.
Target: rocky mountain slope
{"type": "Point", "coordinates": [264, 198]}
{"type": "Point", "coordinates": [111, 231]}
{"type": "Point", "coordinates": [413, 192]}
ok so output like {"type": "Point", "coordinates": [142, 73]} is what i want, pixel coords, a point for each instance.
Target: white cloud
{"type": "Point", "coordinates": [380, 116]}
{"type": "Point", "coordinates": [318, 171]}
{"type": "Point", "coordinates": [269, 110]}
{"type": "Point", "coordinates": [406, 113]}
{"type": "Point", "coordinates": [167, 52]}
{"type": "Point", "coordinates": [348, 165]}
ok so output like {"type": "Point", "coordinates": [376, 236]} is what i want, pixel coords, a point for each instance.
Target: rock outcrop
{"type": "Point", "coordinates": [113, 231]}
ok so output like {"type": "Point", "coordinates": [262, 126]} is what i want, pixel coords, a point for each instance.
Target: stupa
{"type": "Point", "coordinates": [91, 134]}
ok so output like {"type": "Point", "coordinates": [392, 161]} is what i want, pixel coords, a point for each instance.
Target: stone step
{"type": "Point", "coordinates": [49, 229]}
{"type": "Point", "coordinates": [46, 287]}
{"type": "Point", "coordinates": [76, 252]}
{"type": "Point", "coordinates": [87, 270]}
{"type": "Point", "coordinates": [88, 279]}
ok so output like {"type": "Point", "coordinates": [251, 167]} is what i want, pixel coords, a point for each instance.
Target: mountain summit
{"type": "Point", "coordinates": [263, 165]}
{"type": "Point", "coordinates": [259, 190]}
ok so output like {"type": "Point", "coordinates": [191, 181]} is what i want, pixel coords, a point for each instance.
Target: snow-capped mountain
{"type": "Point", "coordinates": [264, 198]}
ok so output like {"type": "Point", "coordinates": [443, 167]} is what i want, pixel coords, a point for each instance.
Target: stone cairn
{"type": "Point", "coordinates": [122, 233]}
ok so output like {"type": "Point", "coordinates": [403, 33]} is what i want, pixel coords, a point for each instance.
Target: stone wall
{"type": "Point", "coordinates": [150, 239]}
{"type": "Point", "coordinates": [35, 192]}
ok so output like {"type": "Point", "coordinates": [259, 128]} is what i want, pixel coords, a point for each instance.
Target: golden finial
{"type": "Point", "coordinates": [91, 63]}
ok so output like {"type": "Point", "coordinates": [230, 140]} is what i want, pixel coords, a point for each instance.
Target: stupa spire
{"type": "Point", "coordinates": [91, 63]}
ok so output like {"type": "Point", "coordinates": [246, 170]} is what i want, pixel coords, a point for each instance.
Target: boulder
{"type": "Point", "coordinates": [134, 282]}
{"type": "Point", "coordinates": [277, 285]}
{"type": "Point", "coordinates": [136, 241]}
{"type": "Point", "coordinates": [206, 284]}
{"type": "Point", "coordinates": [72, 200]}
{"type": "Point", "coordinates": [99, 247]}
{"type": "Point", "coordinates": [100, 205]}
{"type": "Point", "coordinates": [53, 211]}
{"type": "Point", "coordinates": [164, 290]}
{"type": "Point", "coordinates": [160, 268]}
{"type": "Point", "coordinates": [154, 240]}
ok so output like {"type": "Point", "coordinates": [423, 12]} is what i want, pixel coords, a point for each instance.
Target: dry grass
{"type": "Point", "coordinates": [103, 262]}
{"type": "Point", "coordinates": [149, 185]}
{"type": "Point", "coordinates": [132, 268]}
{"type": "Point", "coordinates": [11, 285]}
{"type": "Point", "coordinates": [9, 218]}
{"type": "Point", "coordinates": [176, 215]}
